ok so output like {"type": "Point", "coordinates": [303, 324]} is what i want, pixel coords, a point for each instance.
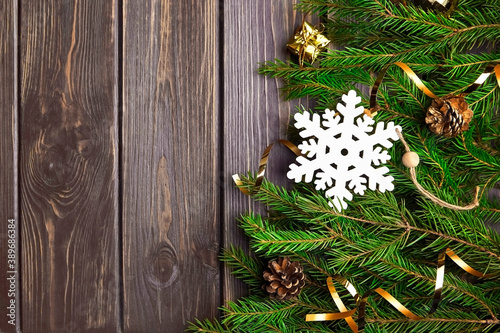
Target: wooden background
{"type": "Point", "coordinates": [122, 123]}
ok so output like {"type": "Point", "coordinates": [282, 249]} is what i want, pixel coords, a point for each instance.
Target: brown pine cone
{"type": "Point", "coordinates": [284, 279]}
{"type": "Point", "coordinates": [449, 116]}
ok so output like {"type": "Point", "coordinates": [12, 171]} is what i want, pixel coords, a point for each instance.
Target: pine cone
{"type": "Point", "coordinates": [284, 279]}
{"type": "Point", "coordinates": [449, 116]}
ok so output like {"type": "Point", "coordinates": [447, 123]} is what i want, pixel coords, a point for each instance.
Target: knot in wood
{"type": "Point", "coordinates": [162, 267]}
{"type": "Point", "coordinates": [54, 167]}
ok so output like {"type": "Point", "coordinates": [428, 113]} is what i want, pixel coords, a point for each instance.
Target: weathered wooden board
{"type": "Point", "coordinates": [254, 113]}
{"type": "Point", "coordinates": [171, 163]}
{"type": "Point", "coordinates": [9, 249]}
{"type": "Point", "coordinates": [68, 166]}
{"type": "Point", "coordinates": [158, 188]}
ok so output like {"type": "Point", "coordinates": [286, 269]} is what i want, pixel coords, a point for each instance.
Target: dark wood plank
{"type": "Point", "coordinates": [254, 113]}
{"type": "Point", "coordinates": [170, 163]}
{"type": "Point", "coordinates": [70, 271]}
{"type": "Point", "coordinates": [9, 246]}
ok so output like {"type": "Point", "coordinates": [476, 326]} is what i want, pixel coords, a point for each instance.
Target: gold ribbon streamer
{"type": "Point", "coordinates": [263, 166]}
{"type": "Point", "coordinates": [440, 274]}
{"type": "Point", "coordinates": [362, 301]}
{"type": "Point", "coordinates": [497, 74]}
{"type": "Point", "coordinates": [482, 78]}
{"type": "Point", "coordinates": [395, 303]}
{"type": "Point", "coordinates": [453, 256]}
{"type": "Point", "coordinates": [411, 74]}
{"type": "Point", "coordinates": [344, 313]}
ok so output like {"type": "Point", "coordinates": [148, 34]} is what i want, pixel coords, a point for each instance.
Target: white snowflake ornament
{"type": "Point", "coordinates": [342, 151]}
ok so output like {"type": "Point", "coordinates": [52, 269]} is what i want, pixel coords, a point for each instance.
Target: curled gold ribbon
{"type": "Point", "coordinates": [362, 301]}
{"type": "Point", "coordinates": [263, 166]}
{"type": "Point", "coordinates": [440, 274]}
{"type": "Point", "coordinates": [411, 74]}
{"type": "Point", "coordinates": [344, 313]}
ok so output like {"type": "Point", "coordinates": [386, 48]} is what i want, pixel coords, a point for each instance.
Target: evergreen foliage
{"type": "Point", "coordinates": [388, 240]}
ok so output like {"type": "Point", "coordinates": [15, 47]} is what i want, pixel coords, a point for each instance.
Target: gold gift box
{"type": "Point", "coordinates": [307, 42]}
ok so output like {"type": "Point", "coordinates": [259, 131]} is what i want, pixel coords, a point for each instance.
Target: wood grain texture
{"type": "Point", "coordinates": [254, 113]}
{"type": "Point", "coordinates": [170, 164]}
{"type": "Point", "coordinates": [8, 170]}
{"type": "Point", "coordinates": [70, 271]}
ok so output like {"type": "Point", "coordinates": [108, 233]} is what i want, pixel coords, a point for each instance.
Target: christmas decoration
{"type": "Point", "coordinates": [449, 116]}
{"type": "Point", "coordinates": [441, 5]}
{"type": "Point", "coordinates": [307, 43]}
{"type": "Point", "coordinates": [284, 279]}
{"type": "Point", "coordinates": [263, 167]}
{"type": "Point", "coordinates": [382, 247]}
{"type": "Point", "coordinates": [410, 159]}
{"type": "Point", "coordinates": [345, 152]}
{"type": "Point", "coordinates": [362, 300]}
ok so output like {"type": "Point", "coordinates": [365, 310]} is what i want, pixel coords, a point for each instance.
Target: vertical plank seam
{"type": "Point", "coordinates": [119, 143]}
{"type": "Point", "coordinates": [17, 149]}
{"type": "Point", "coordinates": [221, 140]}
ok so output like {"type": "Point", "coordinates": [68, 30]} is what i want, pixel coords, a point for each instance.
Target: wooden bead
{"type": "Point", "coordinates": [411, 159]}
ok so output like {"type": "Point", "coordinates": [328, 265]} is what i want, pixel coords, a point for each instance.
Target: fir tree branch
{"type": "Point", "coordinates": [451, 286]}
{"type": "Point", "coordinates": [310, 263]}
{"type": "Point", "coordinates": [207, 326]}
{"type": "Point", "coordinates": [406, 90]}
{"type": "Point", "coordinates": [243, 266]}
{"type": "Point", "coordinates": [376, 249]}
{"type": "Point", "coordinates": [382, 239]}
{"type": "Point", "coordinates": [427, 319]}
{"type": "Point", "coordinates": [272, 311]}
{"type": "Point", "coordinates": [434, 162]}
{"type": "Point", "coordinates": [402, 225]}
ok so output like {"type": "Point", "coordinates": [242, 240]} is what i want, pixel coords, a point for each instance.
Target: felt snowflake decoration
{"type": "Point", "coordinates": [342, 150]}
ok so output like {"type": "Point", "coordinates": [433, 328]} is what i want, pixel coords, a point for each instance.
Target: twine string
{"type": "Point", "coordinates": [429, 195]}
